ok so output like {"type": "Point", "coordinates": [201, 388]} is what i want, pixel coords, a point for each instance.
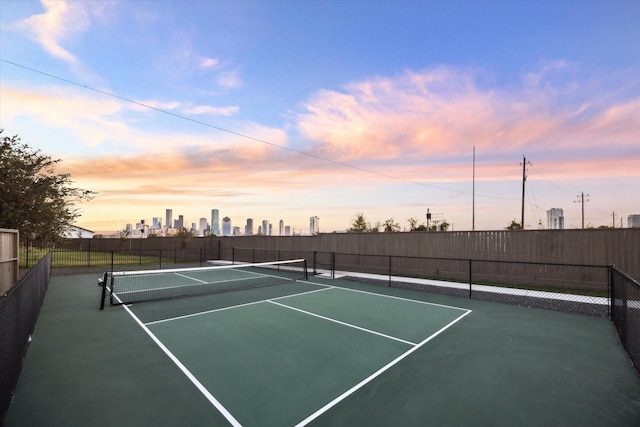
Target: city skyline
{"type": "Point", "coordinates": [298, 109]}
{"type": "Point", "coordinates": [202, 226]}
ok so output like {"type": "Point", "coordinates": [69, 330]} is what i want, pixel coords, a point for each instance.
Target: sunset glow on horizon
{"type": "Point", "coordinates": [288, 110]}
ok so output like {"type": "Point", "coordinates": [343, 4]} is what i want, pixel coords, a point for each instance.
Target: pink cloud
{"type": "Point", "coordinates": [443, 112]}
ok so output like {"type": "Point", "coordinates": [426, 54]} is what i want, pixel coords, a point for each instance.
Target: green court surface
{"type": "Point", "coordinates": [318, 352]}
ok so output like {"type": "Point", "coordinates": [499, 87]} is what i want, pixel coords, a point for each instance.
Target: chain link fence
{"type": "Point", "coordinates": [19, 309]}
{"type": "Point", "coordinates": [625, 312]}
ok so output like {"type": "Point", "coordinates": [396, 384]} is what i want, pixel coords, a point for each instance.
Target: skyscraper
{"type": "Point", "coordinates": [226, 226]}
{"type": "Point", "coordinates": [314, 225]}
{"type": "Point", "coordinates": [202, 229]}
{"type": "Point", "coordinates": [555, 219]}
{"type": "Point", "coordinates": [281, 228]}
{"type": "Point", "coordinates": [248, 229]}
{"type": "Point", "coordinates": [215, 222]}
{"type": "Point", "coordinates": [265, 227]}
{"type": "Point", "coordinates": [169, 221]}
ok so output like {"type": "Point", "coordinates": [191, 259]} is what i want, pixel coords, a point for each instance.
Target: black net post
{"type": "Point", "coordinates": [110, 290]}
{"type": "Point", "coordinates": [103, 283]}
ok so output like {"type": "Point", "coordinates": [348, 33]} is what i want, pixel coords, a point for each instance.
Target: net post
{"type": "Point", "coordinates": [110, 291]}
{"type": "Point", "coordinates": [390, 270]}
{"type": "Point", "coordinates": [104, 290]}
{"type": "Point", "coordinates": [233, 255]}
{"type": "Point", "coordinates": [306, 275]}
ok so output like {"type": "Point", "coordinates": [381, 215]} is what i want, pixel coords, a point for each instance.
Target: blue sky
{"type": "Point", "coordinates": [286, 110]}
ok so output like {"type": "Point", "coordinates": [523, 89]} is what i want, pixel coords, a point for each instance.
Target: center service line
{"type": "Point", "coordinates": [343, 323]}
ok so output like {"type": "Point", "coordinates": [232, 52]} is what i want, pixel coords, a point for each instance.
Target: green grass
{"type": "Point", "coordinates": [86, 259]}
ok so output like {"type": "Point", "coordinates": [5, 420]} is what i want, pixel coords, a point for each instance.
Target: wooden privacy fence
{"type": "Point", "coordinates": [9, 247]}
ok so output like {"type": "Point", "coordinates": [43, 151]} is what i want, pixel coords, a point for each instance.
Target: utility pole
{"type": "Point", "coordinates": [524, 179]}
{"type": "Point", "coordinates": [614, 219]}
{"type": "Point", "coordinates": [581, 200]}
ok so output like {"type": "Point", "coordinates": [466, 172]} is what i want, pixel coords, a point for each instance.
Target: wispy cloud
{"type": "Point", "coordinates": [206, 63]}
{"type": "Point", "coordinates": [229, 79]}
{"type": "Point", "coordinates": [214, 111]}
{"type": "Point", "coordinates": [441, 113]}
{"type": "Point", "coordinates": [61, 21]}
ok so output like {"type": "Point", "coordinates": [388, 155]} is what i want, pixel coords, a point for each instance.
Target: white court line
{"type": "Point", "coordinates": [183, 286]}
{"type": "Point", "coordinates": [399, 298]}
{"type": "Point", "coordinates": [190, 278]}
{"type": "Point", "coordinates": [186, 371]}
{"type": "Point", "coordinates": [344, 323]}
{"type": "Point", "coordinates": [335, 401]}
{"type": "Point", "coordinates": [170, 319]}
{"type": "Point", "coordinates": [364, 382]}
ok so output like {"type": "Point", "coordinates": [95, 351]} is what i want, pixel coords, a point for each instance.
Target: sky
{"type": "Point", "coordinates": [292, 109]}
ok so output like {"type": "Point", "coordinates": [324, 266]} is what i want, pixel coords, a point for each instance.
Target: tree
{"type": "Point", "coordinates": [34, 199]}
{"type": "Point", "coordinates": [391, 226]}
{"type": "Point", "coordinates": [414, 226]}
{"type": "Point", "coordinates": [514, 225]}
{"type": "Point", "coordinates": [359, 224]}
{"type": "Point", "coordinates": [183, 233]}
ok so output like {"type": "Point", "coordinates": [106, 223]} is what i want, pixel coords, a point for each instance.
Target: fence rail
{"type": "Point", "coordinates": [19, 309]}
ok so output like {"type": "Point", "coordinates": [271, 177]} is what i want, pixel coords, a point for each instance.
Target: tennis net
{"type": "Point", "coordinates": [127, 287]}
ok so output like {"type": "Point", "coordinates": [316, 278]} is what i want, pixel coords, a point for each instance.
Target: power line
{"type": "Point", "coordinates": [221, 129]}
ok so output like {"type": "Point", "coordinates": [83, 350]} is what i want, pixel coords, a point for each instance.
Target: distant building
{"type": "Point", "coordinates": [202, 229]}
{"type": "Point", "coordinates": [236, 231]}
{"type": "Point", "coordinates": [633, 221]}
{"type": "Point", "coordinates": [281, 228]}
{"type": "Point", "coordinates": [248, 229]}
{"type": "Point", "coordinates": [226, 226]}
{"type": "Point", "coordinates": [555, 219]}
{"type": "Point", "coordinates": [73, 232]}
{"type": "Point", "coordinates": [169, 219]}
{"type": "Point", "coordinates": [314, 225]}
{"type": "Point", "coordinates": [178, 224]}
{"type": "Point", "coordinates": [215, 222]}
{"type": "Point", "coordinates": [265, 227]}
{"type": "Point", "coordinates": [287, 230]}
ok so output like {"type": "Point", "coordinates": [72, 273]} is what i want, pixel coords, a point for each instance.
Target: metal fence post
{"type": "Point", "coordinates": [333, 265]}
{"type": "Point", "coordinates": [315, 263]}
{"type": "Point", "coordinates": [390, 257]}
{"type": "Point", "coordinates": [470, 278]}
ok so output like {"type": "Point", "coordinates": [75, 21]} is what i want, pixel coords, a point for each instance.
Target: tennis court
{"type": "Point", "coordinates": [314, 351]}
